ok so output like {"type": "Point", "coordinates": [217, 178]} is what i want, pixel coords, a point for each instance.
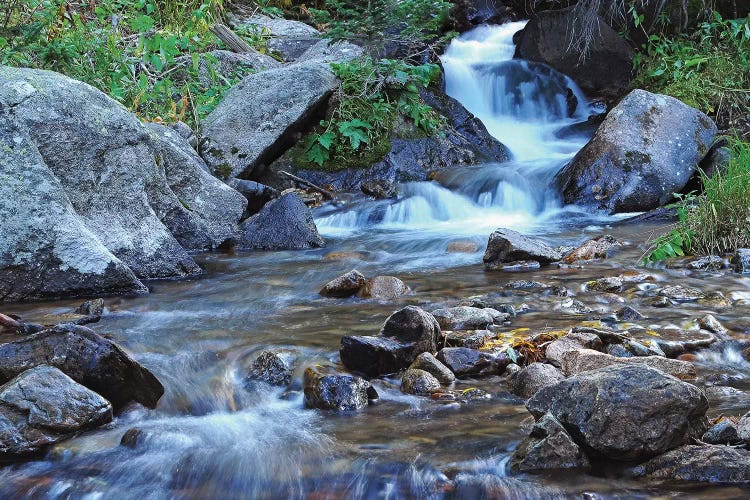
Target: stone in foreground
{"type": "Point", "coordinates": [625, 413]}
{"type": "Point", "coordinates": [549, 446]}
{"type": "Point", "coordinates": [345, 285]}
{"type": "Point", "coordinates": [43, 406]}
{"type": "Point", "coordinates": [328, 390]}
{"type": "Point", "coordinates": [272, 367]}
{"type": "Point", "coordinates": [506, 245]}
{"type": "Point", "coordinates": [429, 363]}
{"type": "Point", "coordinates": [526, 382]}
{"type": "Point", "coordinates": [419, 382]}
{"type": "Point", "coordinates": [706, 464]}
{"type": "Point", "coordinates": [284, 223]}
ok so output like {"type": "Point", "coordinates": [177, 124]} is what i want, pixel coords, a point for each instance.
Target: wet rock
{"type": "Point", "coordinates": [272, 367]}
{"type": "Point", "coordinates": [468, 318]}
{"type": "Point", "coordinates": [574, 341]}
{"type": "Point", "coordinates": [611, 284]}
{"type": "Point", "coordinates": [506, 246]}
{"type": "Point", "coordinates": [512, 369]}
{"type": "Point", "coordinates": [627, 313]}
{"type": "Point", "coordinates": [345, 285]}
{"type": "Point", "coordinates": [463, 361]}
{"type": "Point", "coordinates": [525, 285]}
{"type": "Point", "coordinates": [680, 293]}
{"type": "Point", "coordinates": [713, 325]}
{"type": "Point", "coordinates": [379, 189]}
{"type": "Point", "coordinates": [741, 261]}
{"type": "Point", "coordinates": [573, 306]}
{"type": "Point", "coordinates": [658, 301]}
{"type": "Point", "coordinates": [284, 100]}
{"type": "Point", "coordinates": [406, 334]}
{"type": "Point", "coordinates": [328, 390]}
{"type": "Point", "coordinates": [473, 339]}
{"type": "Point", "coordinates": [43, 406]}
{"type": "Point", "coordinates": [549, 38]}
{"type": "Point", "coordinates": [709, 262]}
{"type": "Point", "coordinates": [715, 299]}
{"type": "Point", "coordinates": [619, 351]}
{"type": "Point", "coordinates": [94, 307]}
{"type": "Point", "coordinates": [285, 223]}
{"type": "Point", "coordinates": [725, 432]}
{"type": "Point", "coordinates": [743, 428]}
{"type": "Point", "coordinates": [383, 288]}
{"type": "Point", "coordinates": [645, 150]}
{"type": "Point", "coordinates": [133, 438]}
{"type": "Point", "coordinates": [706, 464]}
{"type": "Point", "coordinates": [585, 360]}
{"type": "Point", "coordinates": [674, 341]}
{"type": "Point", "coordinates": [419, 382]}
{"type": "Point", "coordinates": [462, 247]}
{"type": "Point", "coordinates": [596, 248]}
{"type": "Point", "coordinates": [256, 194]}
{"type": "Point", "coordinates": [515, 266]}
{"type": "Point", "coordinates": [87, 358]}
{"type": "Point", "coordinates": [530, 379]}
{"type": "Point", "coordinates": [429, 363]}
{"type": "Point", "coordinates": [628, 412]}
{"type": "Point", "coordinates": [549, 446]}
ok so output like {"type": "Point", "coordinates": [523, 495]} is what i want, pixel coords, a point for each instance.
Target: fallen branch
{"type": "Point", "coordinates": [326, 194]}
{"type": "Point", "coordinates": [233, 41]}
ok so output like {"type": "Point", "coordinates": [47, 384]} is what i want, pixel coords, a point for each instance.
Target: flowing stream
{"type": "Point", "coordinates": [214, 436]}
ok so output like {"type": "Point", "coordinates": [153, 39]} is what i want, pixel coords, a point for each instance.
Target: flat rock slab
{"type": "Point", "coordinates": [707, 464]}
{"type": "Point", "coordinates": [506, 245]}
{"type": "Point", "coordinates": [584, 360]}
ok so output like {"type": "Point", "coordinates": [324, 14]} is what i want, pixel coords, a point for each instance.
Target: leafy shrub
{"type": "Point", "coordinates": [717, 221]}
{"type": "Point", "coordinates": [372, 96]}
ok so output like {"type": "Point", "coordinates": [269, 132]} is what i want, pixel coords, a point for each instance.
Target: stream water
{"type": "Point", "coordinates": [214, 437]}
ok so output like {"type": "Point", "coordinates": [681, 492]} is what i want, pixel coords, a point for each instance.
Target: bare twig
{"type": "Point", "coordinates": [326, 194]}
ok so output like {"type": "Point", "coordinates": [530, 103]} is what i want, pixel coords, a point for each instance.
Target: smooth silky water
{"type": "Point", "coordinates": [214, 436]}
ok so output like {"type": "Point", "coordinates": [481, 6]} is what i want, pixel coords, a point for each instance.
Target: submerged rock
{"type": "Point", "coordinates": [87, 358]}
{"type": "Point", "coordinates": [328, 390]}
{"type": "Point", "coordinates": [506, 245]}
{"type": "Point", "coordinates": [597, 248]}
{"type": "Point", "coordinates": [625, 413]}
{"type": "Point", "coordinates": [378, 189]}
{"type": "Point", "coordinates": [527, 381]}
{"type": "Point", "coordinates": [419, 382]}
{"type": "Point", "coordinates": [463, 361]}
{"type": "Point", "coordinates": [284, 223]}
{"type": "Point", "coordinates": [549, 446]}
{"type": "Point", "coordinates": [383, 288]}
{"type": "Point", "coordinates": [707, 464]}
{"type": "Point", "coordinates": [345, 285]}
{"type": "Point", "coordinates": [43, 406]}
{"type": "Point", "coordinates": [645, 150]}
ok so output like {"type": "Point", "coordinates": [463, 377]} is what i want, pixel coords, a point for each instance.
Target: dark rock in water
{"type": "Point", "coordinates": [743, 428]}
{"type": "Point", "coordinates": [658, 301]}
{"type": "Point", "coordinates": [526, 382]}
{"type": "Point", "coordinates": [660, 214]}
{"type": "Point", "coordinates": [725, 432]}
{"type": "Point", "coordinates": [585, 128]}
{"type": "Point", "coordinates": [87, 358]}
{"type": "Point", "coordinates": [256, 194]}
{"type": "Point", "coordinates": [345, 285]}
{"type": "Point", "coordinates": [419, 382]}
{"type": "Point", "coordinates": [625, 412]}
{"type": "Point", "coordinates": [43, 406]}
{"type": "Point", "coordinates": [645, 151]}
{"type": "Point", "coordinates": [383, 288]}
{"type": "Point", "coordinates": [596, 248]}
{"type": "Point", "coordinates": [429, 363]}
{"type": "Point", "coordinates": [473, 339]}
{"type": "Point", "coordinates": [463, 361]}
{"type": "Point", "coordinates": [378, 189]}
{"type": "Point", "coordinates": [468, 318]}
{"type": "Point", "coordinates": [680, 293]}
{"type": "Point", "coordinates": [708, 262]}
{"type": "Point", "coordinates": [506, 245]}
{"type": "Point", "coordinates": [133, 438]}
{"type": "Point", "coordinates": [285, 223]}
{"type": "Point", "coordinates": [741, 261]}
{"type": "Point", "coordinates": [272, 367]}
{"type": "Point", "coordinates": [611, 284]}
{"type": "Point", "coordinates": [549, 446]}
{"type": "Point", "coordinates": [706, 464]}
{"type": "Point", "coordinates": [627, 313]}
{"type": "Point", "coordinates": [328, 390]}
{"type": "Point", "coordinates": [94, 307]}
{"type": "Point", "coordinates": [549, 38]}
{"type": "Point", "coordinates": [467, 14]}
{"type": "Point", "coordinates": [406, 334]}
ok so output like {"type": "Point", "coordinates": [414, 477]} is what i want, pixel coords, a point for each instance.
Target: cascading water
{"type": "Point", "coordinates": [522, 104]}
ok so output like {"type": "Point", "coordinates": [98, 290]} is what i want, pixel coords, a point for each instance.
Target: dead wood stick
{"type": "Point", "coordinates": [326, 194]}
{"type": "Point", "coordinates": [233, 41]}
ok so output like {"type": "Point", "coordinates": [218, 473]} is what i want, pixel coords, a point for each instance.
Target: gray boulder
{"type": "Point", "coordinates": [105, 160]}
{"type": "Point", "coordinates": [326, 51]}
{"type": "Point", "coordinates": [463, 361]}
{"type": "Point", "coordinates": [327, 390]}
{"type": "Point", "coordinates": [725, 432]}
{"type": "Point", "coordinates": [549, 446]}
{"type": "Point", "coordinates": [89, 359]}
{"type": "Point", "coordinates": [258, 118]}
{"type": "Point", "coordinates": [285, 223]}
{"type": "Point", "coordinates": [272, 367]}
{"type": "Point", "coordinates": [706, 464]}
{"type": "Point", "coordinates": [43, 406]}
{"type": "Point", "coordinates": [625, 413]}
{"type": "Point", "coordinates": [226, 64]}
{"type": "Point", "coordinates": [383, 288]}
{"type": "Point", "coordinates": [287, 37]}
{"type": "Point", "coordinates": [207, 210]}
{"type": "Point", "coordinates": [506, 245]}
{"type": "Point", "coordinates": [46, 250]}
{"type": "Point", "coordinates": [646, 149]}
{"type": "Point", "coordinates": [558, 349]}
{"type": "Point", "coordinates": [468, 318]}
{"type": "Point", "coordinates": [345, 285]}
{"type": "Point", "coordinates": [743, 428]}
{"type": "Point", "coordinates": [429, 363]}
{"type": "Point", "coordinates": [583, 360]}
{"type": "Point", "coordinates": [419, 382]}
{"type": "Point", "coordinates": [741, 261]}
{"type": "Point", "coordinates": [526, 382]}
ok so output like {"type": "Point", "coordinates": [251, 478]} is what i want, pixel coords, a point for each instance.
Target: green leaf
{"type": "Point", "coordinates": [318, 154]}
{"type": "Point", "coordinates": [142, 23]}
{"type": "Point", "coordinates": [326, 139]}
{"type": "Point", "coordinates": [512, 354]}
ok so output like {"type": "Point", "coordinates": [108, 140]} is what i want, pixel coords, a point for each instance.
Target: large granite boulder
{"type": "Point", "coordinates": [43, 406]}
{"type": "Point", "coordinates": [285, 223]}
{"type": "Point", "coordinates": [258, 119]}
{"type": "Point", "coordinates": [86, 357]}
{"type": "Point", "coordinates": [625, 413]}
{"type": "Point", "coordinates": [287, 37]}
{"type": "Point", "coordinates": [46, 250]}
{"type": "Point", "coordinates": [551, 38]}
{"type": "Point", "coordinates": [646, 150]}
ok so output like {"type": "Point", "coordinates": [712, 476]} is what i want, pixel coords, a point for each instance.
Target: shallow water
{"type": "Point", "coordinates": [214, 436]}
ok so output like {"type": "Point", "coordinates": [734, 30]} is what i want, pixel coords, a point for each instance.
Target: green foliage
{"type": "Point", "coordinates": [372, 96]}
{"type": "Point", "coordinates": [144, 53]}
{"type": "Point", "coordinates": [708, 69]}
{"type": "Point", "coordinates": [717, 221]}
